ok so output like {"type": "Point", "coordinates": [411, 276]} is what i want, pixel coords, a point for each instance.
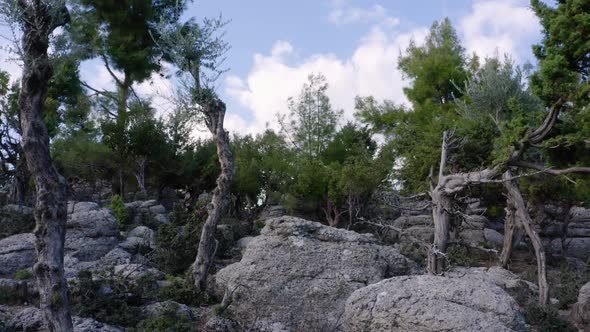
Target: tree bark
{"type": "Point", "coordinates": [214, 111]}
{"type": "Point", "coordinates": [38, 22]}
{"type": "Point", "coordinates": [512, 235]}
{"type": "Point", "coordinates": [140, 174]}
{"type": "Point", "coordinates": [515, 199]}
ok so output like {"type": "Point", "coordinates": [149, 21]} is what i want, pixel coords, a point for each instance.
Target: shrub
{"type": "Point", "coordinates": [459, 255]}
{"type": "Point", "coordinates": [181, 236]}
{"type": "Point", "coordinates": [182, 291]}
{"type": "Point", "coordinates": [118, 207]}
{"type": "Point", "coordinates": [169, 320]}
{"type": "Point", "coordinates": [23, 274]}
{"type": "Point", "coordinates": [15, 223]}
{"type": "Point", "coordinates": [546, 319]}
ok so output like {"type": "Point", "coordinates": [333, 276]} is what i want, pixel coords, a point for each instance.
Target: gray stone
{"type": "Point", "coordinates": [430, 303]}
{"type": "Point", "coordinates": [580, 214]}
{"type": "Point", "coordinates": [136, 271]}
{"type": "Point", "coordinates": [493, 237]}
{"type": "Point", "coordinates": [157, 209]}
{"type": "Point", "coordinates": [140, 236]}
{"type": "Point", "coordinates": [157, 308]}
{"type": "Point", "coordinates": [31, 320]}
{"type": "Point", "coordinates": [472, 236]}
{"type": "Point", "coordinates": [162, 218]}
{"type": "Point", "coordinates": [580, 314]}
{"type": "Point", "coordinates": [117, 256]}
{"type": "Point", "coordinates": [409, 221]}
{"type": "Point", "coordinates": [17, 252]}
{"type": "Point", "coordinates": [576, 247]}
{"type": "Point", "coordinates": [297, 274]}
{"type": "Point", "coordinates": [91, 231]}
{"type": "Point", "coordinates": [221, 324]}
{"type": "Point", "coordinates": [17, 209]}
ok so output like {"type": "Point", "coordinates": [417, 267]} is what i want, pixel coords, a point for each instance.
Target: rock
{"type": "Point", "coordinates": [31, 320]}
{"type": "Point", "coordinates": [493, 237]}
{"type": "Point", "coordinates": [157, 209]}
{"type": "Point", "coordinates": [424, 233]}
{"type": "Point", "coordinates": [272, 211]}
{"type": "Point", "coordinates": [161, 218]}
{"type": "Point", "coordinates": [136, 271]}
{"type": "Point", "coordinates": [17, 252]}
{"type": "Point", "coordinates": [156, 309]}
{"type": "Point", "coordinates": [91, 325]}
{"type": "Point", "coordinates": [431, 303]}
{"type": "Point", "coordinates": [91, 231]}
{"type": "Point", "coordinates": [222, 324]}
{"type": "Point", "coordinates": [580, 314]}
{"type": "Point", "coordinates": [576, 247]}
{"type": "Point", "coordinates": [17, 209]}
{"type": "Point", "coordinates": [297, 274]}
{"type": "Point", "coordinates": [139, 237]}
{"type": "Point", "coordinates": [498, 276]}
{"type": "Point", "coordinates": [243, 243]}
{"type": "Point", "coordinates": [117, 256]}
{"type": "Point", "coordinates": [580, 214]}
{"type": "Point", "coordinates": [475, 222]}
{"type": "Point", "coordinates": [409, 221]}
{"type": "Point", "coordinates": [473, 237]}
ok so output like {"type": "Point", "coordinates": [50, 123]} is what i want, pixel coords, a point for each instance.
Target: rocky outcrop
{"type": "Point", "coordinates": [17, 252]}
{"type": "Point", "coordinates": [580, 314]}
{"type": "Point", "coordinates": [297, 274]}
{"type": "Point", "coordinates": [91, 231]}
{"type": "Point", "coordinates": [151, 209]}
{"type": "Point", "coordinates": [430, 304]}
{"type": "Point", "coordinates": [138, 238]}
{"type": "Point", "coordinates": [31, 320]}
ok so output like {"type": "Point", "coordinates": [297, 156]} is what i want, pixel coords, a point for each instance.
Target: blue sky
{"type": "Point", "coordinates": [354, 43]}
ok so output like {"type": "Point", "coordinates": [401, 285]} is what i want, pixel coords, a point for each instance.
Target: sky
{"type": "Point", "coordinates": [275, 45]}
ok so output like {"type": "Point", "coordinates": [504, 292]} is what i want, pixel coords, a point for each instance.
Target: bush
{"type": "Point", "coordinates": [169, 320]}
{"type": "Point", "coordinates": [182, 291]}
{"type": "Point", "coordinates": [546, 319]}
{"type": "Point", "coordinates": [459, 255]}
{"type": "Point", "coordinates": [15, 223]}
{"type": "Point", "coordinates": [181, 236]}
{"type": "Point", "coordinates": [23, 275]}
{"type": "Point", "coordinates": [118, 207]}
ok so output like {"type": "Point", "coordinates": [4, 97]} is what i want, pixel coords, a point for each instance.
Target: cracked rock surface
{"type": "Point", "coordinates": [297, 275]}
{"type": "Point", "coordinates": [431, 303]}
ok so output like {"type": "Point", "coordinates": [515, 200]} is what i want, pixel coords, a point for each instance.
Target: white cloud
{"type": "Point", "coordinates": [500, 26]}
{"type": "Point", "coordinates": [371, 70]}
{"type": "Point", "coordinates": [343, 14]}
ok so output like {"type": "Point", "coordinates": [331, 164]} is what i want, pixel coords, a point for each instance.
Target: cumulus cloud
{"type": "Point", "coordinates": [371, 70]}
{"type": "Point", "coordinates": [500, 26]}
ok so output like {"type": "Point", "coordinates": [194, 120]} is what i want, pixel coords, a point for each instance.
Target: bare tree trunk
{"type": "Point", "coordinates": [215, 112]}
{"type": "Point", "coordinates": [516, 200]}
{"type": "Point", "coordinates": [38, 22]}
{"type": "Point", "coordinates": [140, 174]}
{"type": "Point", "coordinates": [512, 235]}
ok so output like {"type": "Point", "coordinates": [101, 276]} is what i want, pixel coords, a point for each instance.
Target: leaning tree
{"type": "Point", "coordinates": [198, 51]}
{"type": "Point", "coordinates": [38, 20]}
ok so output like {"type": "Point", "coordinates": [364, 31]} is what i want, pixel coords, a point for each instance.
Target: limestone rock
{"type": "Point", "coordinates": [431, 303]}
{"type": "Point", "coordinates": [581, 310]}
{"type": "Point", "coordinates": [297, 274]}
{"type": "Point", "coordinates": [17, 252]}
{"type": "Point", "coordinates": [136, 271]}
{"type": "Point", "coordinates": [91, 231]}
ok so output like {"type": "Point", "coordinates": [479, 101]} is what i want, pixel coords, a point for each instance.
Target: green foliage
{"type": "Point", "coordinates": [182, 291]}
{"type": "Point", "coordinates": [23, 274]}
{"type": "Point", "coordinates": [546, 319]}
{"type": "Point", "coordinates": [118, 306]}
{"type": "Point", "coordinates": [169, 320]}
{"type": "Point", "coordinates": [460, 255]}
{"type": "Point", "coordinates": [118, 207]}
{"type": "Point", "coordinates": [181, 236]}
{"type": "Point", "coordinates": [15, 223]}
{"type": "Point", "coordinates": [312, 121]}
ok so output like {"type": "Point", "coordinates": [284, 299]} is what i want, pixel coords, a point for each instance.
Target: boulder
{"type": "Point", "coordinates": [222, 324]}
{"type": "Point", "coordinates": [493, 237]}
{"type": "Point", "coordinates": [91, 231]}
{"type": "Point", "coordinates": [158, 308]}
{"type": "Point", "coordinates": [140, 236]}
{"type": "Point", "coordinates": [17, 252]}
{"type": "Point", "coordinates": [137, 271]}
{"type": "Point", "coordinates": [31, 320]}
{"type": "Point", "coordinates": [580, 314]}
{"type": "Point", "coordinates": [431, 303]}
{"type": "Point", "coordinates": [297, 274]}
{"type": "Point", "coordinates": [578, 247]}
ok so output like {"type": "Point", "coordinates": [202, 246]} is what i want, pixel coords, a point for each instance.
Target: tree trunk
{"type": "Point", "coordinates": [441, 205]}
{"type": "Point", "coordinates": [512, 235]}
{"type": "Point", "coordinates": [521, 213]}
{"type": "Point", "coordinates": [50, 207]}
{"type": "Point", "coordinates": [220, 199]}
{"type": "Point", "coordinates": [140, 174]}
